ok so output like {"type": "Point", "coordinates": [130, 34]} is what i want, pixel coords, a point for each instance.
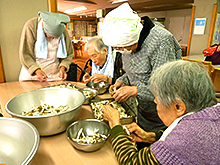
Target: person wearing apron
{"type": "Point", "coordinates": [45, 48]}
{"type": "Point", "coordinates": [144, 48]}
{"type": "Point", "coordinates": [106, 64]}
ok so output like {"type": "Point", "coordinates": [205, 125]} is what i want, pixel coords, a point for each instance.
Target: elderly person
{"type": "Point", "coordinates": [186, 103]}
{"type": "Point", "coordinates": [144, 48]}
{"type": "Point", "coordinates": [106, 64]}
{"type": "Point", "coordinates": [45, 48]}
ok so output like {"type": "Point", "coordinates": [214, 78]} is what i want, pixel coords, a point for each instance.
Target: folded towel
{"type": "Point", "coordinates": [42, 44]}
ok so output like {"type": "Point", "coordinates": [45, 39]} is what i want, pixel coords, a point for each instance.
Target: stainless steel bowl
{"type": "Point", "coordinates": [89, 126]}
{"type": "Point", "coordinates": [19, 141]}
{"type": "Point", "coordinates": [101, 87]}
{"type": "Point", "coordinates": [89, 94]}
{"type": "Point", "coordinates": [48, 124]}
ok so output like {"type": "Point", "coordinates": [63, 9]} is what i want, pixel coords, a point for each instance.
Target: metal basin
{"type": "Point", "coordinates": [89, 126]}
{"type": "Point", "coordinates": [101, 87]}
{"type": "Point", "coordinates": [19, 141]}
{"type": "Point", "coordinates": [89, 93]}
{"type": "Point", "coordinates": [48, 124]}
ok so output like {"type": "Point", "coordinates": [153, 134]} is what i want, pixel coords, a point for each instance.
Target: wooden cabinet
{"type": "Point", "coordinates": [2, 74]}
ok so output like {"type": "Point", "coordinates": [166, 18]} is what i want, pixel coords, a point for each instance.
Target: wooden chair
{"type": "Point", "coordinates": [207, 64]}
{"type": "Point", "coordinates": [214, 73]}
{"type": "Point", "coordinates": [78, 48]}
{"type": "Point", "coordinates": [216, 79]}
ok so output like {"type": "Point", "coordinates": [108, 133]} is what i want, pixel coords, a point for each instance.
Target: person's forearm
{"type": "Point", "coordinates": [151, 137]}
{"type": "Point", "coordinates": [123, 78]}
{"type": "Point", "coordinates": [63, 68]}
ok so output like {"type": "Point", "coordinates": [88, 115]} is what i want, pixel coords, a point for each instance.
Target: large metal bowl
{"type": "Point", "coordinates": [19, 141]}
{"type": "Point", "coordinates": [89, 126]}
{"type": "Point", "coordinates": [89, 93]}
{"type": "Point", "coordinates": [48, 124]}
{"type": "Point", "coordinates": [101, 87]}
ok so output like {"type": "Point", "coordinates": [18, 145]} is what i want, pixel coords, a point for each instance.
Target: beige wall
{"type": "Point", "coordinates": [13, 15]}
{"type": "Point", "coordinates": [176, 21]}
{"type": "Point", "coordinates": [203, 9]}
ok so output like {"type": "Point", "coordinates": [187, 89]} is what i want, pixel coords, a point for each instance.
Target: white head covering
{"type": "Point", "coordinates": [121, 27]}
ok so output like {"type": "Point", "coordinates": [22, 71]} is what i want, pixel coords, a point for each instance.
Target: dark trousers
{"type": "Point", "coordinates": [148, 120]}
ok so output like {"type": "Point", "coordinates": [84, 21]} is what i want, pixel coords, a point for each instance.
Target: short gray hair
{"type": "Point", "coordinates": [184, 80]}
{"type": "Point", "coordinates": [97, 44]}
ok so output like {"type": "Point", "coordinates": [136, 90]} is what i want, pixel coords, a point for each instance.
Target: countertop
{"type": "Point", "coordinates": [56, 149]}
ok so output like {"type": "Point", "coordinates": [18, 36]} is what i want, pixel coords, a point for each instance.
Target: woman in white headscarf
{"type": "Point", "coordinates": [45, 48]}
{"type": "Point", "coordinates": [144, 48]}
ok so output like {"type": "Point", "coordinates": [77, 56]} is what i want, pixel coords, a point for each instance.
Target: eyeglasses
{"type": "Point", "coordinates": [93, 56]}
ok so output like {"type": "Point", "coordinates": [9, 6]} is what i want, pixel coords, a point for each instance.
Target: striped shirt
{"type": "Point", "coordinates": [127, 153]}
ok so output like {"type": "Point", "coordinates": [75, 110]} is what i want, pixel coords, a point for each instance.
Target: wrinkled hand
{"type": "Point", "coordinates": [41, 76]}
{"type": "Point", "coordinates": [125, 92]}
{"type": "Point", "coordinates": [139, 135]}
{"type": "Point", "coordinates": [86, 78]}
{"type": "Point", "coordinates": [98, 78]}
{"type": "Point", "coordinates": [116, 86]}
{"type": "Point", "coordinates": [111, 115]}
{"type": "Point", "coordinates": [62, 72]}
{"type": "Point", "coordinates": [112, 90]}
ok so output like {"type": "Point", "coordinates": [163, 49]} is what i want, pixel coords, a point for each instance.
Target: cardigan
{"type": "Point", "coordinates": [28, 40]}
{"type": "Point", "coordinates": [194, 141]}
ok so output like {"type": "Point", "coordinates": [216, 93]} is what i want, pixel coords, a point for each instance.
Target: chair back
{"type": "Point", "coordinates": [207, 64]}
{"type": "Point", "coordinates": [87, 69]}
{"type": "Point", "coordinates": [74, 72]}
{"type": "Point", "coordinates": [216, 79]}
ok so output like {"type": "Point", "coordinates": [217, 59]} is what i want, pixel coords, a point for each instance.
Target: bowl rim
{"type": "Point", "coordinates": [35, 147]}
{"type": "Point", "coordinates": [105, 83]}
{"type": "Point", "coordinates": [105, 87]}
{"type": "Point", "coordinates": [83, 144]}
{"type": "Point", "coordinates": [43, 116]}
{"type": "Point", "coordinates": [90, 89]}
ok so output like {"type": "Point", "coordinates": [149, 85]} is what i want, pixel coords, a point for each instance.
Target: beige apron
{"type": "Point", "coordinates": [50, 66]}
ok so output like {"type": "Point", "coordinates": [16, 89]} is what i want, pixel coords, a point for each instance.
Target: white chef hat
{"type": "Point", "coordinates": [54, 23]}
{"type": "Point", "coordinates": [121, 27]}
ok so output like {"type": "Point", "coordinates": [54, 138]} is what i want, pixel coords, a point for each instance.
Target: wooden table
{"type": "Point", "coordinates": [56, 149]}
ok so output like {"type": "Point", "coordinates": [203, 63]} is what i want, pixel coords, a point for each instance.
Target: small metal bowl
{"type": "Point", "coordinates": [101, 87]}
{"type": "Point", "coordinates": [89, 94]}
{"type": "Point", "coordinates": [19, 141]}
{"type": "Point", "coordinates": [89, 126]}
